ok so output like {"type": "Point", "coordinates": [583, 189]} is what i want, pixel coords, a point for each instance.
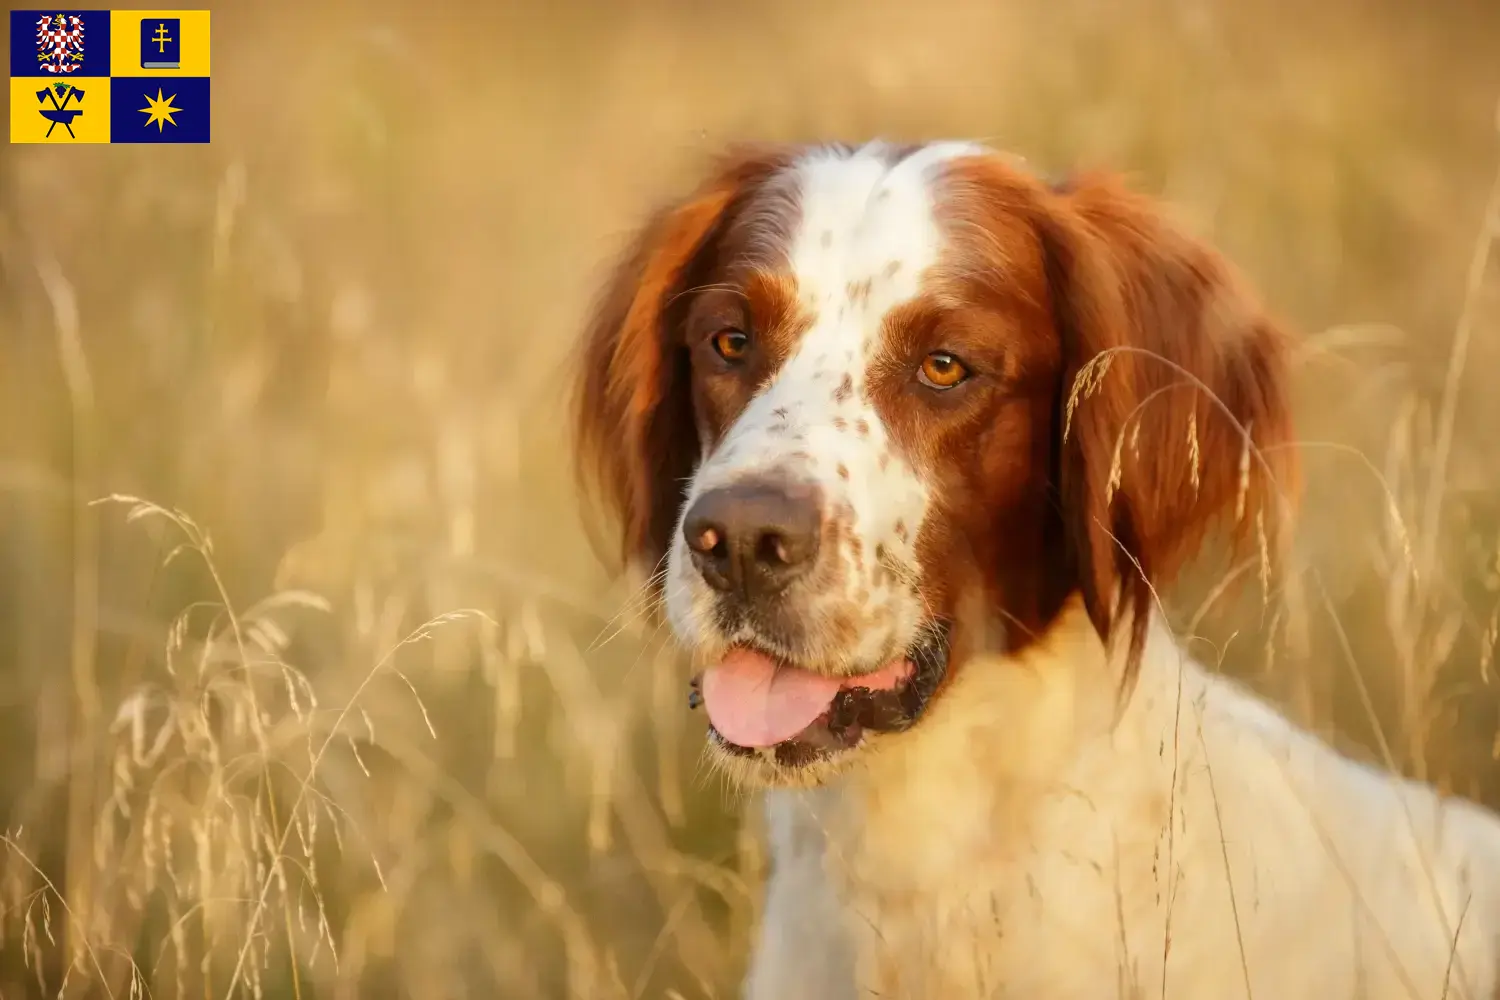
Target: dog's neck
{"type": "Point", "coordinates": [1007, 739]}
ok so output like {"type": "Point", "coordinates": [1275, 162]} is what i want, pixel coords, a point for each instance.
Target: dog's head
{"type": "Point", "coordinates": [866, 411]}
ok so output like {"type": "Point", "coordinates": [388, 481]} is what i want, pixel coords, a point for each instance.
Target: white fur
{"type": "Point", "coordinates": [869, 226]}
{"type": "Point", "coordinates": [1019, 843]}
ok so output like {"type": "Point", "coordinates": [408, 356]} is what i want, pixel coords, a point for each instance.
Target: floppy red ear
{"type": "Point", "coordinates": [1176, 411]}
{"type": "Point", "coordinates": [635, 432]}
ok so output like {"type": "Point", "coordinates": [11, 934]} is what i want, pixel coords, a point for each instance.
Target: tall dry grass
{"type": "Point", "coordinates": [344, 706]}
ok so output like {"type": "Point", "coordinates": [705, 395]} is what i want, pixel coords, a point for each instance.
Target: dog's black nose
{"type": "Point", "coordinates": [756, 536]}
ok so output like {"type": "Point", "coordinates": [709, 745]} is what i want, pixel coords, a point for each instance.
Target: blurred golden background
{"type": "Point", "coordinates": [356, 710]}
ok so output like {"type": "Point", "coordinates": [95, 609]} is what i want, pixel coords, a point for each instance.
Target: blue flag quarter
{"type": "Point", "coordinates": [168, 109]}
{"type": "Point", "coordinates": [59, 45]}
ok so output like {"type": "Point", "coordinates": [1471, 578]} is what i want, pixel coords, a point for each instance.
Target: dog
{"type": "Point", "coordinates": [914, 439]}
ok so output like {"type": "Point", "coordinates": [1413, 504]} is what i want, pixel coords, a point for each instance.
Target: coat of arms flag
{"type": "Point", "coordinates": [110, 76]}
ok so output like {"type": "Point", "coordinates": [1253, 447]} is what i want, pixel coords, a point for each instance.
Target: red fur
{"type": "Point", "coordinates": [633, 419]}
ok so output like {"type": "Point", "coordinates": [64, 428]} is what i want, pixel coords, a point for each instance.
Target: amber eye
{"type": "Point", "coordinates": [731, 345]}
{"type": "Point", "coordinates": [941, 370]}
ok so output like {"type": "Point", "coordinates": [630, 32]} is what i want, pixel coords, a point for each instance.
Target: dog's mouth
{"type": "Point", "coordinates": [762, 706]}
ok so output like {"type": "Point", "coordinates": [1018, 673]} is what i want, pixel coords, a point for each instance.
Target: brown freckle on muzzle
{"type": "Point", "coordinates": [859, 291]}
{"type": "Point", "coordinates": [891, 269]}
{"type": "Point", "coordinates": [845, 389]}
{"type": "Point", "coordinates": [839, 423]}
{"type": "Point", "coordinates": [843, 471]}
{"type": "Point", "coordinates": [900, 529]}
{"type": "Point", "coordinates": [863, 427]}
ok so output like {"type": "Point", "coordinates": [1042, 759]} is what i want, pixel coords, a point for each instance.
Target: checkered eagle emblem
{"type": "Point", "coordinates": [59, 42]}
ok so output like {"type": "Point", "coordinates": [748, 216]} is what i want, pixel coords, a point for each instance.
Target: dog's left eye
{"type": "Point", "coordinates": [941, 370]}
{"type": "Point", "coordinates": [731, 345]}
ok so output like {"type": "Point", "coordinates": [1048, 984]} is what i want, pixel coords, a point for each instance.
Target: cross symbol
{"type": "Point", "coordinates": [161, 38]}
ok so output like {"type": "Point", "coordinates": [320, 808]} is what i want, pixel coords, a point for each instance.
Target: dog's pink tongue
{"type": "Point", "coordinates": [753, 702]}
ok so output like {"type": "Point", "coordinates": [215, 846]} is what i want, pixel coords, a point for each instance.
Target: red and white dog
{"type": "Point", "coordinates": [914, 438]}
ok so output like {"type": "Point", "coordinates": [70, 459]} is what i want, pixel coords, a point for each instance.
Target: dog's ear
{"type": "Point", "coordinates": [636, 438]}
{"type": "Point", "coordinates": [1175, 411]}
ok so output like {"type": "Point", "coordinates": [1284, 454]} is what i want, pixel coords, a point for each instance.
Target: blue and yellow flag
{"type": "Point", "coordinates": [109, 76]}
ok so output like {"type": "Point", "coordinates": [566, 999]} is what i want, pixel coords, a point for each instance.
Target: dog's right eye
{"type": "Point", "coordinates": [941, 370]}
{"type": "Point", "coordinates": [731, 345]}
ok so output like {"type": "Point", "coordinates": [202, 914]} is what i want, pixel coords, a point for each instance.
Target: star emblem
{"type": "Point", "coordinates": [159, 110]}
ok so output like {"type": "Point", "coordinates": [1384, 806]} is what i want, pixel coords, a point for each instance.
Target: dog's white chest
{"type": "Point", "coordinates": [1204, 849]}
